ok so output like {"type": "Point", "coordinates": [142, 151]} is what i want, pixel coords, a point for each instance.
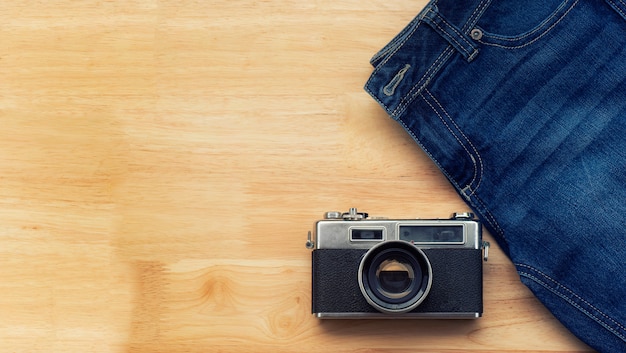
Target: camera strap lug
{"type": "Point", "coordinates": [486, 246]}
{"type": "Point", "coordinates": [310, 244]}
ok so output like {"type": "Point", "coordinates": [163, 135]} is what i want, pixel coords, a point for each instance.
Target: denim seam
{"type": "Point", "coordinates": [559, 293]}
{"type": "Point", "coordinates": [546, 31]}
{"type": "Point", "coordinates": [454, 40]}
{"type": "Point", "coordinates": [478, 11]}
{"type": "Point", "coordinates": [388, 57]}
{"type": "Point", "coordinates": [390, 48]}
{"type": "Point", "coordinates": [430, 155]}
{"type": "Point", "coordinates": [419, 86]}
{"type": "Point", "coordinates": [426, 77]}
{"type": "Point", "coordinates": [538, 28]}
{"type": "Point", "coordinates": [478, 169]}
{"type": "Point", "coordinates": [475, 198]}
{"type": "Point", "coordinates": [459, 36]}
{"type": "Point", "coordinates": [396, 48]}
{"type": "Point", "coordinates": [450, 130]}
{"type": "Point", "coordinates": [619, 10]}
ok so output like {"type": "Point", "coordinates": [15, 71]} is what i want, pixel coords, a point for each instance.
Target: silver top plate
{"type": "Point", "coordinates": [365, 233]}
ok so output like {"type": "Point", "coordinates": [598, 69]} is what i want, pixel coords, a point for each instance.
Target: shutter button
{"type": "Point", "coordinates": [476, 34]}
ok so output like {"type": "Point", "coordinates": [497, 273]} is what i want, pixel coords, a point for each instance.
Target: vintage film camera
{"type": "Point", "coordinates": [391, 268]}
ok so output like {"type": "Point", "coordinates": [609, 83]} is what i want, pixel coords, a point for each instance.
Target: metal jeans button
{"type": "Point", "coordinates": [476, 34]}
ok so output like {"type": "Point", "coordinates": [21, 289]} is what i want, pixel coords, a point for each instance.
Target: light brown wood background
{"type": "Point", "coordinates": [162, 161]}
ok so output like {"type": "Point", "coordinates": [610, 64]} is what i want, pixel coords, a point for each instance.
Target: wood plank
{"type": "Point", "coordinates": [162, 161]}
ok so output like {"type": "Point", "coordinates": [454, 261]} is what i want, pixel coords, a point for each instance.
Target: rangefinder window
{"type": "Point", "coordinates": [366, 234]}
{"type": "Point", "coordinates": [432, 234]}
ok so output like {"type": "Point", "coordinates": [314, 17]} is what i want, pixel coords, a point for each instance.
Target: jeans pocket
{"type": "Point", "coordinates": [515, 24]}
{"type": "Point", "coordinates": [459, 158]}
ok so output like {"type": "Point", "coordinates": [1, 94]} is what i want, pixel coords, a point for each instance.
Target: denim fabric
{"type": "Point", "coordinates": [522, 105]}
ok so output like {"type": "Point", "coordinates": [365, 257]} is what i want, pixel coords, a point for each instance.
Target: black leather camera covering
{"type": "Point", "coordinates": [457, 285]}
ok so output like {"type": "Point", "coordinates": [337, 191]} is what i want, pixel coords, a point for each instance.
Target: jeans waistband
{"type": "Point", "coordinates": [409, 62]}
{"type": "Point", "coordinates": [421, 49]}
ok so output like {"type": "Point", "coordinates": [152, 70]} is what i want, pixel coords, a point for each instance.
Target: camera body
{"type": "Point", "coordinates": [397, 268]}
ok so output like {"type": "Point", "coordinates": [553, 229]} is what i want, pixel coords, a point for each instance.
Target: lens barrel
{"type": "Point", "coordinates": [395, 277]}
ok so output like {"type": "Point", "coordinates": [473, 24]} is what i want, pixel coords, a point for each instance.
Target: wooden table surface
{"type": "Point", "coordinates": [162, 162]}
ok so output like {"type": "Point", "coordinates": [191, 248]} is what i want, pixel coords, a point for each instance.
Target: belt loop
{"type": "Point", "coordinates": [459, 40]}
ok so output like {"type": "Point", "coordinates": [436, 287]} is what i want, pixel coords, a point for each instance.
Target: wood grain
{"type": "Point", "coordinates": [162, 161]}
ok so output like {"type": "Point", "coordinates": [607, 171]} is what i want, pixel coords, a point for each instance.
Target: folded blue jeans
{"type": "Point", "coordinates": [522, 105]}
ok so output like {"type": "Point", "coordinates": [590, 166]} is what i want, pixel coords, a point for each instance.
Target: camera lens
{"type": "Point", "coordinates": [395, 277]}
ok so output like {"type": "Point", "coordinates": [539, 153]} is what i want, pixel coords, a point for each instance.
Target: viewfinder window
{"type": "Point", "coordinates": [366, 234]}
{"type": "Point", "coordinates": [432, 234]}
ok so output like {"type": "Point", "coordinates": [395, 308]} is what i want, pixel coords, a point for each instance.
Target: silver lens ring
{"type": "Point", "coordinates": [395, 277]}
